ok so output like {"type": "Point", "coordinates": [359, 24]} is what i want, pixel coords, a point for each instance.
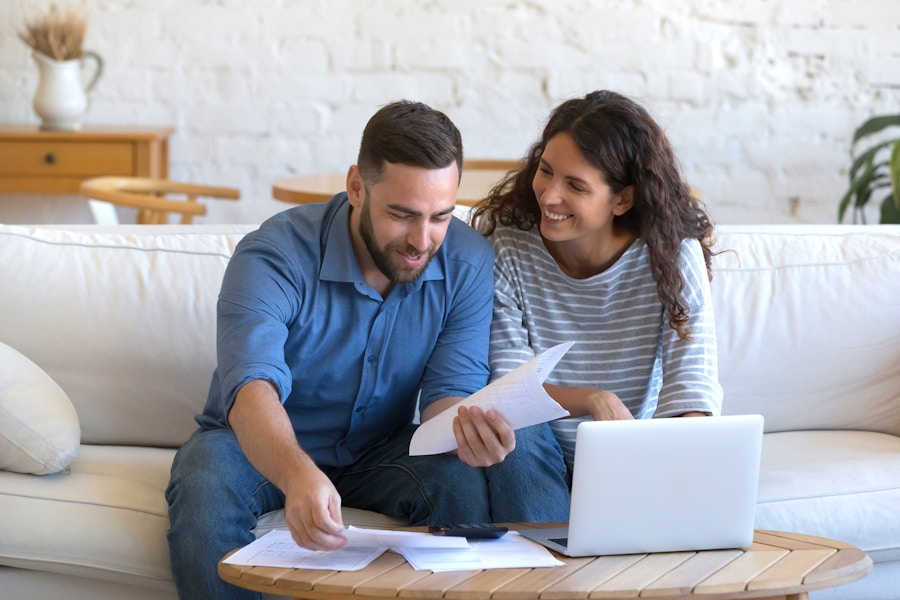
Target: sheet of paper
{"type": "Point", "coordinates": [518, 396]}
{"type": "Point", "coordinates": [512, 551]}
{"type": "Point", "coordinates": [278, 549]}
{"type": "Point", "coordinates": [401, 539]}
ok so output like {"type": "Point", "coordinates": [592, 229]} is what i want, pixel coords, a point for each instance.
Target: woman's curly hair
{"type": "Point", "coordinates": [622, 140]}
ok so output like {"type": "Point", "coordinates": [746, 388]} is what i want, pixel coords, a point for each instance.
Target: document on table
{"type": "Point", "coordinates": [389, 538]}
{"type": "Point", "coordinates": [518, 396]}
{"type": "Point", "coordinates": [278, 549]}
{"type": "Point", "coordinates": [512, 551]}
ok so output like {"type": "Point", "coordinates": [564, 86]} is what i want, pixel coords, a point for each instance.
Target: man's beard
{"type": "Point", "coordinates": [384, 257]}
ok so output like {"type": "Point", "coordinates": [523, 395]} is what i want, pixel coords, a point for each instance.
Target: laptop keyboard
{"type": "Point", "coordinates": [564, 542]}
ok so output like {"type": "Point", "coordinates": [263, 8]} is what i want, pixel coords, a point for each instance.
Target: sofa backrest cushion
{"type": "Point", "coordinates": [808, 325]}
{"type": "Point", "coordinates": [123, 319]}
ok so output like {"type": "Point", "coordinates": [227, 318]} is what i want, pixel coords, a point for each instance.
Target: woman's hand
{"type": "Point", "coordinates": [606, 406]}
{"type": "Point", "coordinates": [602, 405]}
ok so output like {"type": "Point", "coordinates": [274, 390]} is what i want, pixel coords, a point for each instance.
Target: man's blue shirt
{"type": "Point", "coordinates": [295, 310]}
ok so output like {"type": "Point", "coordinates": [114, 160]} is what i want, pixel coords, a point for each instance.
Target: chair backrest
{"type": "Point", "coordinates": [492, 164]}
{"type": "Point", "coordinates": [154, 197]}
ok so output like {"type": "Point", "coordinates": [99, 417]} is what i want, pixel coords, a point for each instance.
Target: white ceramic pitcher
{"type": "Point", "coordinates": [61, 97]}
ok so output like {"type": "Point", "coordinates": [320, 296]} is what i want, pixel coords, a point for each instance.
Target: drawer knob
{"type": "Point", "coordinates": [50, 158]}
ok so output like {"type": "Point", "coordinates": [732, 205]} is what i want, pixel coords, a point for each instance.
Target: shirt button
{"type": "Point", "coordinates": [371, 359]}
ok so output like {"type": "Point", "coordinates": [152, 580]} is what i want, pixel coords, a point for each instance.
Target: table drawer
{"type": "Point", "coordinates": [65, 159]}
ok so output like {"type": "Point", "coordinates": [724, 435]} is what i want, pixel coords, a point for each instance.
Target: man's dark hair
{"type": "Point", "coordinates": [408, 133]}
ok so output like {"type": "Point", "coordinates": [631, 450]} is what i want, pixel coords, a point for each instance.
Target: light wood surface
{"type": "Point", "coordinates": [478, 176]}
{"type": "Point", "coordinates": [56, 162]}
{"type": "Point", "coordinates": [155, 199]}
{"type": "Point", "coordinates": [782, 566]}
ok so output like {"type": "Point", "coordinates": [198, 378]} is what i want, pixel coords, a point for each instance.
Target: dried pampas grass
{"type": "Point", "coordinates": [58, 34]}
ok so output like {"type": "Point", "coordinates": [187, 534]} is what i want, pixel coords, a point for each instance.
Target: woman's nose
{"type": "Point", "coordinates": [549, 192]}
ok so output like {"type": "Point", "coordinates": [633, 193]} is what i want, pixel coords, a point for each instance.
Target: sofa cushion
{"type": "Point", "coordinates": [843, 485]}
{"type": "Point", "coordinates": [39, 431]}
{"type": "Point", "coordinates": [126, 318]}
{"type": "Point", "coordinates": [808, 325]}
{"type": "Point", "coordinates": [105, 518]}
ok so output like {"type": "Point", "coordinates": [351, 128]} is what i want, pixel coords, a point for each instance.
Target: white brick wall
{"type": "Point", "coordinates": [759, 97]}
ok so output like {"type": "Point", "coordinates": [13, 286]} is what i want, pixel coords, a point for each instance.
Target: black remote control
{"type": "Point", "coordinates": [475, 531]}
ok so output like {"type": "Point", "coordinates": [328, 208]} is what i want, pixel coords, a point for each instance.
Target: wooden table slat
{"type": "Point", "coordinates": [580, 583]}
{"type": "Point", "coordinates": [530, 585]}
{"type": "Point", "coordinates": [483, 584]}
{"type": "Point", "coordinates": [790, 571]}
{"type": "Point", "coordinates": [792, 542]}
{"type": "Point", "coordinates": [265, 575]}
{"type": "Point", "coordinates": [686, 576]}
{"type": "Point", "coordinates": [630, 582]}
{"type": "Point", "coordinates": [436, 585]}
{"type": "Point", "coordinates": [735, 576]}
{"type": "Point", "coordinates": [391, 583]}
{"type": "Point", "coordinates": [846, 565]}
{"type": "Point", "coordinates": [345, 582]}
{"type": "Point", "coordinates": [302, 580]}
{"type": "Point", "coordinates": [760, 547]}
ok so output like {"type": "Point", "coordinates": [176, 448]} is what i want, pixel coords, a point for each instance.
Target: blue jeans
{"type": "Point", "coordinates": [215, 496]}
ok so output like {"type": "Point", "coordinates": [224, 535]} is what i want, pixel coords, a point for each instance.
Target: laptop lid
{"type": "Point", "coordinates": [662, 485]}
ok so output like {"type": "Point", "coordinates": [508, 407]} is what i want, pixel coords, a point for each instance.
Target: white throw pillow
{"type": "Point", "coordinates": [39, 429]}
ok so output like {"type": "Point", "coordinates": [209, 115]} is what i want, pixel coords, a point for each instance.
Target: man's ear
{"type": "Point", "coordinates": [624, 201]}
{"type": "Point", "coordinates": [355, 187]}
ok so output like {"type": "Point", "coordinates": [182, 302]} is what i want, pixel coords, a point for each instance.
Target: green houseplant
{"type": "Point", "coordinates": [875, 168]}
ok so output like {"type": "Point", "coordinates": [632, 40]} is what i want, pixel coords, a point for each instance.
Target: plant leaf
{"type": "Point", "coordinates": [895, 174]}
{"type": "Point", "coordinates": [868, 157]}
{"type": "Point", "coordinates": [874, 125]}
{"type": "Point", "coordinates": [873, 168]}
{"type": "Point", "coordinates": [889, 212]}
{"type": "Point", "coordinates": [858, 187]}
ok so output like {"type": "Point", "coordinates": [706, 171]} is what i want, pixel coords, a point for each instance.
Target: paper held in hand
{"type": "Point", "coordinates": [518, 396]}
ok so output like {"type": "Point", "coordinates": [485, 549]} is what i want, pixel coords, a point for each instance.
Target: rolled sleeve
{"type": "Point", "coordinates": [257, 299]}
{"type": "Point", "coordinates": [690, 367]}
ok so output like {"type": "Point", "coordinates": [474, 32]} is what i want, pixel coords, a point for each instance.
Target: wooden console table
{"type": "Point", "coordinates": [56, 162]}
{"type": "Point", "coordinates": [777, 566]}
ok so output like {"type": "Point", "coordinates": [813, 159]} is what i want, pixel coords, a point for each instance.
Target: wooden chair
{"type": "Point", "coordinates": [491, 164]}
{"type": "Point", "coordinates": [153, 198]}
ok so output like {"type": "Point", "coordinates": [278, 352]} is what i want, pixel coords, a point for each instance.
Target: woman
{"type": "Point", "coordinates": [598, 240]}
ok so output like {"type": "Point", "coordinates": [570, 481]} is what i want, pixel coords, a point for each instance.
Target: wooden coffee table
{"type": "Point", "coordinates": [783, 566]}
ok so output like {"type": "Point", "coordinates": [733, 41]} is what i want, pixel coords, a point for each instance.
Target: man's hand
{"type": "Point", "coordinates": [312, 511]}
{"type": "Point", "coordinates": [484, 439]}
{"type": "Point", "coordinates": [312, 505]}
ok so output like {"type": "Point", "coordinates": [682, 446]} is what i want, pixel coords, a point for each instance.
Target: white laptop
{"type": "Point", "coordinates": [661, 485]}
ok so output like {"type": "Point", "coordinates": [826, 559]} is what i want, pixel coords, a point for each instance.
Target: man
{"type": "Point", "coordinates": [332, 319]}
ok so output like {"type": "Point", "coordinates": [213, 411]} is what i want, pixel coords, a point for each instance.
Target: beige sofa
{"type": "Point", "coordinates": [119, 324]}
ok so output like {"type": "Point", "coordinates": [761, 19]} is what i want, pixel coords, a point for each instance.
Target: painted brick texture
{"type": "Point", "coordinates": [760, 98]}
